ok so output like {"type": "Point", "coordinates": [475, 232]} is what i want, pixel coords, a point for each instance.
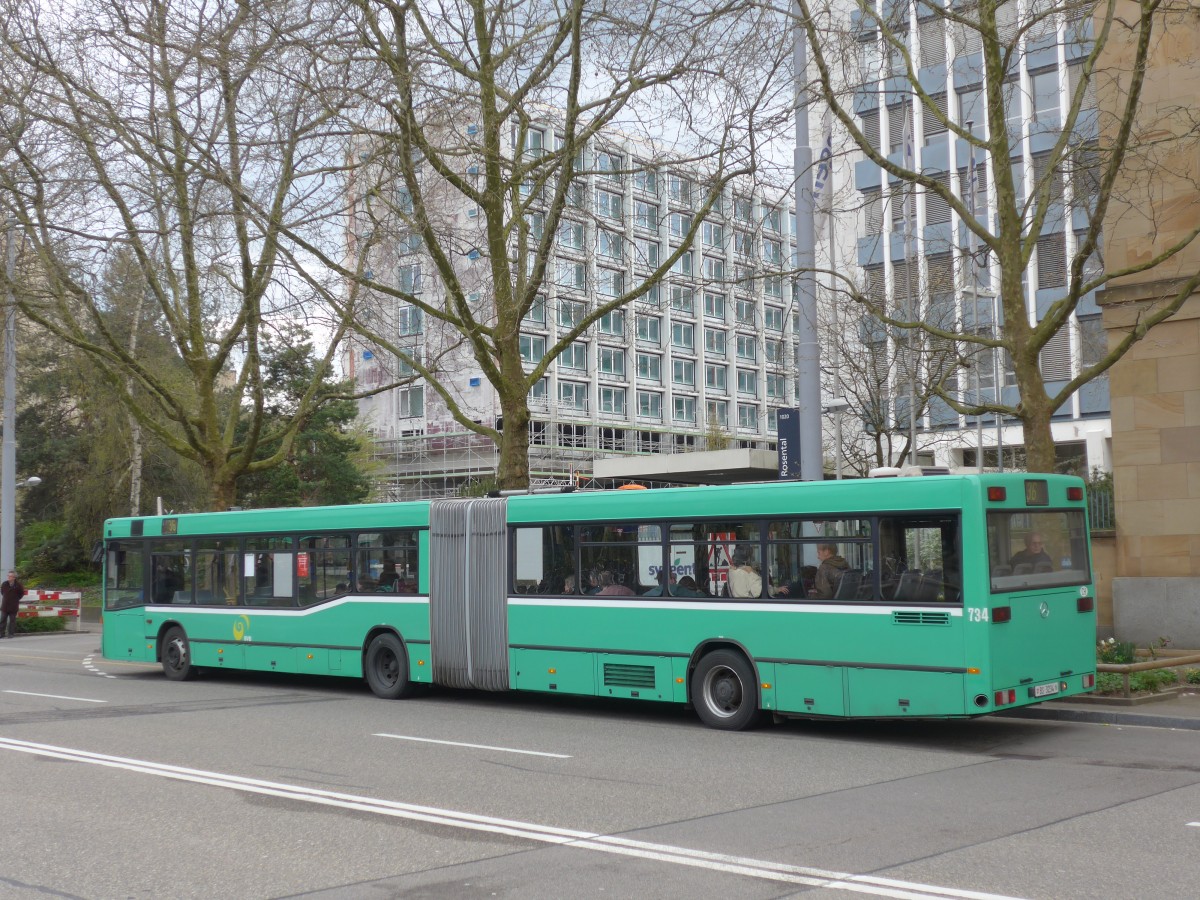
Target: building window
{"type": "Point", "coordinates": [679, 190]}
{"type": "Point", "coordinates": [1051, 261]}
{"type": "Point", "coordinates": [1045, 95]}
{"type": "Point", "coordinates": [645, 215]}
{"type": "Point", "coordinates": [776, 386]}
{"type": "Point", "coordinates": [773, 286]}
{"type": "Point", "coordinates": [409, 320]}
{"type": "Point", "coordinates": [608, 205]}
{"type": "Point", "coordinates": [613, 322]}
{"type": "Point", "coordinates": [539, 390]}
{"type": "Point", "coordinates": [611, 245]}
{"type": "Point", "coordinates": [747, 383]}
{"type": "Point", "coordinates": [571, 275]}
{"type": "Point", "coordinates": [533, 348]}
{"type": "Point", "coordinates": [743, 244]}
{"type": "Point", "coordinates": [680, 224]}
{"type": "Point", "coordinates": [683, 299]}
{"type": "Point", "coordinates": [609, 166]}
{"type": "Point", "coordinates": [773, 318]}
{"type": "Point", "coordinates": [611, 361]}
{"type": "Point", "coordinates": [715, 378]}
{"type": "Point", "coordinates": [571, 313]}
{"type": "Point", "coordinates": [714, 305]}
{"type": "Point", "coordinates": [714, 269]}
{"type": "Point", "coordinates": [649, 367]}
{"type": "Point", "coordinates": [773, 220]}
{"type": "Point", "coordinates": [612, 401]}
{"type": "Point", "coordinates": [714, 342]}
{"type": "Point", "coordinates": [683, 371]}
{"type": "Point", "coordinates": [410, 278]}
{"type": "Point", "coordinates": [645, 253]}
{"type": "Point", "coordinates": [610, 282]}
{"type": "Point", "coordinates": [650, 405]}
{"type": "Point", "coordinates": [646, 181]}
{"type": "Point", "coordinates": [712, 234]}
{"type": "Point", "coordinates": [410, 402]}
{"type": "Point", "coordinates": [746, 348]}
{"type": "Point", "coordinates": [574, 356]}
{"type": "Point", "coordinates": [772, 252]}
{"type": "Point", "coordinates": [684, 410]}
{"type": "Point", "coordinates": [570, 235]}
{"type": "Point", "coordinates": [744, 313]}
{"type": "Point", "coordinates": [683, 265]}
{"type": "Point", "coordinates": [683, 335]}
{"type": "Point", "coordinates": [537, 310]}
{"type": "Point", "coordinates": [747, 417]}
{"type": "Point", "coordinates": [716, 412]}
{"type": "Point", "coordinates": [774, 352]}
{"type": "Point", "coordinates": [649, 330]}
{"type": "Point", "coordinates": [573, 395]}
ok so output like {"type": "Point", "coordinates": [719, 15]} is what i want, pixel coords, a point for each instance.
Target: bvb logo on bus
{"type": "Point", "coordinates": [240, 624]}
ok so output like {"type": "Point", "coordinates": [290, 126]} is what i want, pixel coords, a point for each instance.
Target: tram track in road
{"type": "Point", "coordinates": [805, 876]}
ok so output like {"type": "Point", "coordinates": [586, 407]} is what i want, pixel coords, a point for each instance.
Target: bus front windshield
{"type": "Point", "coordinates": [1037, 550]}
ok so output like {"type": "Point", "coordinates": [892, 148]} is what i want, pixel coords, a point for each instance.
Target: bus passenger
{"type": "Point", "coordinates": [569, 584]}
{"type": "Point", "coordinates": [743, 580]}
{"type": "Point", "coordinates": [388, 577]}
{"type": "Point", "coordinates": [608, 585]}
{"type": "Point", "coordinates": [1034, 553]}
{"type": "Point", "coordinates": [687, 588]}
{"type": "Point", "coordinates": [829, 572]}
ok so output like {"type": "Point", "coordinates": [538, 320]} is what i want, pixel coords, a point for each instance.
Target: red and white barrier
{"type": "Point", "coordinates": [63, 604]}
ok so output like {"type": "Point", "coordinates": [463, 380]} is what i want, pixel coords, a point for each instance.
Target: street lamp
{"type": "Point", "coordinates": [837, 405]}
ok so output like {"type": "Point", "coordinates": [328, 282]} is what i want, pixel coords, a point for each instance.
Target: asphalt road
{"type": "Point", "coordinates": [115, 783]}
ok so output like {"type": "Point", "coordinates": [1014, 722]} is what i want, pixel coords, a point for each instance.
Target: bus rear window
{"type": "Point", "coordinates": [1037, 550]}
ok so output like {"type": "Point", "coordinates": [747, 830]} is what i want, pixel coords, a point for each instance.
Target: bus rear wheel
{"type": "Point", "coordinates": [177, 655]}
{"type": "Point", "coordinates": [724, 691]}
{"type": "Point", "coordinates": [386, 667]}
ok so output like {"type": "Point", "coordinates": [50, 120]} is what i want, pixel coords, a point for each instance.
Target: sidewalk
{"type": "Point", "coordinates": [1179, 709]}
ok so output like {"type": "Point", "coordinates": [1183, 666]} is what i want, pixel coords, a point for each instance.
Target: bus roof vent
{"type": "Point", "coordinates": [883, 472]}
{"type": "Point", "coordinates": [910, 471]}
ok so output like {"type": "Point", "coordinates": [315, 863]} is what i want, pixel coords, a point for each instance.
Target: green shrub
{"type": "Point", "coordinates": [1152, 681]}
{"type": "Point", "coordinates": [1109, 683]}
{"type": "Point", "coordinates": [1116, 652]}
{"type": "Point", "coordinates": [41, 623]}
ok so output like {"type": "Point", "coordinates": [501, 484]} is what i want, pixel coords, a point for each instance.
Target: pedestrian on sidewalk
{"type": "Point", "coordinates": [11, 592]}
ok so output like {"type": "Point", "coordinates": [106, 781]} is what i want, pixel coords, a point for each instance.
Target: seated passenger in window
{"type": "Point", "coordinates": [829, 572]}
{"type": "Point", "coordinates": [687, 588]}
{"type": "Point", "coordinates": [607, 585]}
{"type": "Point", "coordinates": [388, 577]}
{"type": "Point", "coordinates": [1034, 553]}
{"type": "Point", "coordinates": [744, 581]}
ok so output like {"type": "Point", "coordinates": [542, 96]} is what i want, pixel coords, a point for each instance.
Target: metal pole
{"type": "Point", "coordinates": [8, 453]}
{"type": "Point", "coordinates": [998, 367]}
{"type": "Point", "coordinates": [837, 347]}
{"type": "Point", "coordinates": [804, 288]}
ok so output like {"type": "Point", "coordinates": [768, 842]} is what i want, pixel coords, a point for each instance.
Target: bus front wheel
{"type": "Point", "coordinates": [386, 667]}
{"type": "Point", "coordinates": [177, 655]}
{"type": "Point", "coordinates": [724, 691]}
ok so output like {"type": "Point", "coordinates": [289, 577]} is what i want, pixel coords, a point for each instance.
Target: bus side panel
{"type": "Point", "coordinates": [558, 671]}
{"type": "Point", "coordinates": [889, 693]}
{"type": "Point", "coordinates": [818, 690]}
{"type": "Point", "coordinates": [124, 636]}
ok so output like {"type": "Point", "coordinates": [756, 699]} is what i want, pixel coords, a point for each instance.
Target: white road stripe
{"type": "Point", "coordinates": [56, 696]}
{"type": "Point", "coordinates": [404, 737]}
{"type": "Point", "coordinates": [738, 865]}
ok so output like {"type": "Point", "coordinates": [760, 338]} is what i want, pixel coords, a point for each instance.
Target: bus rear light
{"type": "Point", "coordinates": [997, 494]}
{"type": "Point", "coordinates": [1001, 614]}
{"type": "Point", "coordinates": [1074, 493]}
{"type": "Point", "coordinates": [1085, 604]}
{"type": "Point", "coordinates": [1003, 698]}
{"type": "Point", "coordinates": [1089, 681]}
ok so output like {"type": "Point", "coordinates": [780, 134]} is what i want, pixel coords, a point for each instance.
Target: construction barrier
{"type": "Point", "coordinates": [63, 604]}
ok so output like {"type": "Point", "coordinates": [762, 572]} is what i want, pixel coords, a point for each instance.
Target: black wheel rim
{"type": "Point", "coordinates": [723, 691]}
{"type": "Point", "coordinates": [387, 667]}
{"type": "Point", "coordinates": [176, 654]}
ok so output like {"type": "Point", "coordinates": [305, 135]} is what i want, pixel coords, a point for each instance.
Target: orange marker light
{"type": "Point", "coordinates": [552, 671]}
{"type": "Point", "coordinates": [971, 670]}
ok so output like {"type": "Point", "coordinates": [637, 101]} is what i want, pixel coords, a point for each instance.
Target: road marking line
{"type": "Point", "coordinates": [547, 834]}
{"type": "Point", "coordinates": [56, 696]}
{"type": "Point", "coordinates": [87, 664]}
{"type": "Point", "coordinates": [1194, 824]}
{"type": "Point", "coordinates": [405, 737]}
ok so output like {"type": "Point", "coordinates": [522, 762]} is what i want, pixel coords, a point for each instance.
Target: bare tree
{"type": "Point", "coordinates": [195, 137]}
{"type": "Point", "coordinates": [478, 151]}
{"type": "Point", "coordinates": [1051, 163]}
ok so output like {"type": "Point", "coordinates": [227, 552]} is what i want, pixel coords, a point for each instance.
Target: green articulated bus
{"type": "Point", "coordinates": [931, 596]}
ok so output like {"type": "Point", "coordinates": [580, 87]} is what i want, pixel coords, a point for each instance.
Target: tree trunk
{"type": "Point", "coordinates": [513, 470]}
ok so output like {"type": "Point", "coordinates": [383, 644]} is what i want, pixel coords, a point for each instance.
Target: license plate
{"type": "Point", "coordinates": [1043, 690]}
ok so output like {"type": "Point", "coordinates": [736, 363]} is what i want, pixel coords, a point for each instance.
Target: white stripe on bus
{"type": "Point", "coordinates": [590, 601]}
{"type": "Point", "coordinates": [548, 834]}
{"type": "Point", "coordinates": [407, 599]}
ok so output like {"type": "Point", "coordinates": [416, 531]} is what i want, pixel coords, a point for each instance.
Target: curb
{"type": "Point", "coordinates": [1104, 717]}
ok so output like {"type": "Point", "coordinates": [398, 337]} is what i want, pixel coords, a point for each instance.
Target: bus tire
{"type": "Point", "coordinates": [385, 666]}
{"type": "Point", "coordinates": [724, 691]}
{"type": "Point", "coordinates": [177, 655]}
